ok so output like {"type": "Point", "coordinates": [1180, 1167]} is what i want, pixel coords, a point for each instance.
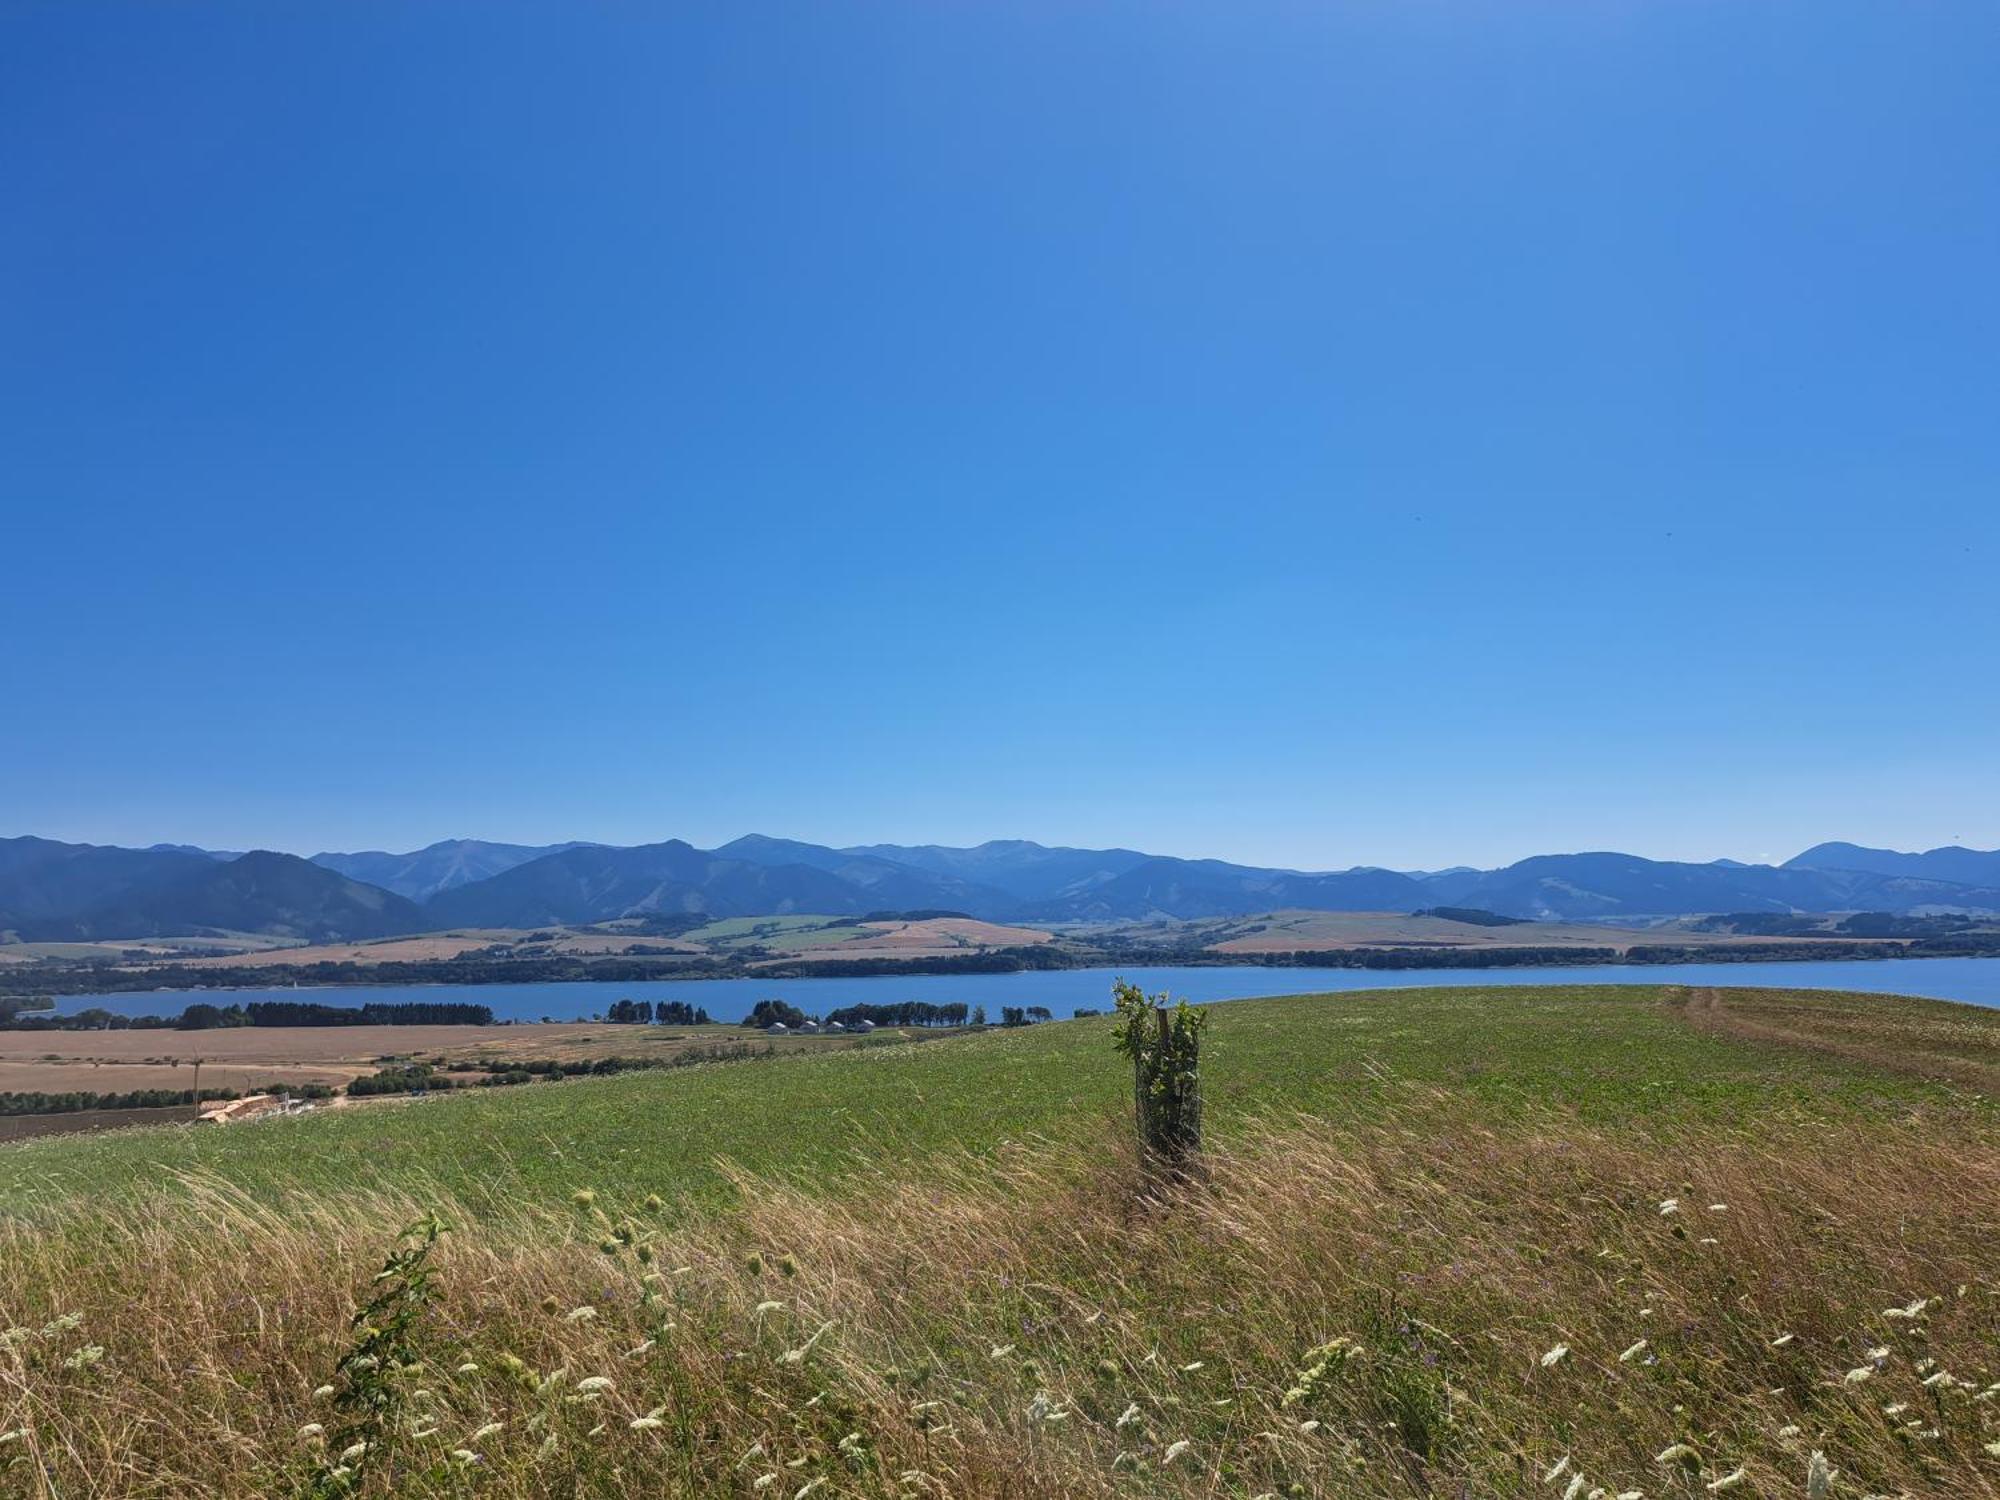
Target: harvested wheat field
{"type": "Point", "coordinates": [1562, 1242]}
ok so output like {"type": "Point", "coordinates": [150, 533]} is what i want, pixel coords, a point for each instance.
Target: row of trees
{"type": "Point", "coordinates": [78, 1100]}
{"type": "Point", "coordinates": [774, 1013]}
{"type": "Point", "coordinates": [425, 1077]}
{"type": "Point", "coordinates": [661, 1013]}
{"type": "Point", "coordinates": [904, 1013]}
{"type": "Point", "coordinates": [202, 1016]}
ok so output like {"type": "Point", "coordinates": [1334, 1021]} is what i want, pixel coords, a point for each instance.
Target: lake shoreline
{"type": "Point", "coordinates": [1944, 977]}
{"type": "Point", "coordinates": [452, 974]}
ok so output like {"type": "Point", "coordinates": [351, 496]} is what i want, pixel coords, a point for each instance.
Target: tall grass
{"type": "Point", "coordinates": [1441, 1300]}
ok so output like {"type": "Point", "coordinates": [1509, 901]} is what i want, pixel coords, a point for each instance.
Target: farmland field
{"type": "Point", "coordinates": [1448, 1242]}
{"type": "Point", "coordinates": [255, 1057]}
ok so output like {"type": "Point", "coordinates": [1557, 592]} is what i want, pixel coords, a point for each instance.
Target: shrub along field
{"type": "Point", "coordinates": [1565, 1242]}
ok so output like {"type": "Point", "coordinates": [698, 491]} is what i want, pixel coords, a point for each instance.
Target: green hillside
{"type": "Point", "coordinates": [1615, 1055]}
{"type": "Point", "coordinates": [1567, 1241]}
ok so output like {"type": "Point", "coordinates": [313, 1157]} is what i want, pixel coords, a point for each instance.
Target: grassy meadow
{"type": "Point", "coordinates": [1570, 1242]}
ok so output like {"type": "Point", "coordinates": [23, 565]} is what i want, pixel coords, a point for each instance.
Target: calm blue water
{"type": "Point", "coordinates": [1974, 980]}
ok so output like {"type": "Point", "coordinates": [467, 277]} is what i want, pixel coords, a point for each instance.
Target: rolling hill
{"type": "Point", "coordinates": [56, 890]}
{"type": "Point", "coordinates": [1951, 864]}
{"type": "Point", "coordinates": [263, 892]}
{"type": "Point", "coordinates": [594, 883]}
{"type": "Point", "coordinates": [890, 885]}
{"type": "Point", "coordinates": [1444, 1243]}
{"type": "Point", "coordinates": [1568, 886]}
{"type": "Point", "coordinates": [1027, 871]}
{"type": "Point", "coordinates": [430, 871]}
{"type": "Point", "coordinates": [43, 882]}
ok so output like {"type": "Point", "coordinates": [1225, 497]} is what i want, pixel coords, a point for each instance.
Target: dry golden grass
{"type": "Point", "coordinates": [933, 937]}
{"type": "Point", "coordinates": [1295, 931]}
{"type": "Point", "coordinates": [1356, 1309]}
{"type": "Point", "coordinates": [387, 950]}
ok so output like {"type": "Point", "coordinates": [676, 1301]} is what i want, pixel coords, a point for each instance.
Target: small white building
{"type": "Point", "coordinates": [807, 1028]}
{"type": "Point", "coordinates": [776, 1028]}
{"type": "Point", "coordinates": [862, 1026]}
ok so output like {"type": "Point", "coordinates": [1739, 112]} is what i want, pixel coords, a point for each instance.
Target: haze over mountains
{"type": "Point", "coordinates": [52, 891]}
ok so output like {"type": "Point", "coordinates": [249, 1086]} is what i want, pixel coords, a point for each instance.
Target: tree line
{"type": "Point", "coordinates": [76, 1101]}
{"type": "Point", "coordinates": [660, 1013]}
{"type": "Point", "coordinates": [431, 1077]}
{"type": "Point", "coordinates": [903, 1013]}
{"type": "Point", "coordinates": [205, 1017]}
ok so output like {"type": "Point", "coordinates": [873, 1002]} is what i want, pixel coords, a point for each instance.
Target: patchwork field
{"type": "Point", "coordinates": [1296, 931]}
{"type": "Point", "coordinates": [1447, 1243]}
{"type": "Point", "coordinates": [256, 1057]}
{"type": "Point", "coordinates": [381, 951]}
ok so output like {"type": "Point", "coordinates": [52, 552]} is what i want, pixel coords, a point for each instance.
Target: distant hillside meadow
{"type": "Point", "coordinates": [1636, 1242]}
{"type": "Point", "coordinates": [57, 892]}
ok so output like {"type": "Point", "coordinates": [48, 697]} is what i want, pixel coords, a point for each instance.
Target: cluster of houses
{"type": "Point", "coordinates": [813, 1028]}
{"type": "Point", "coordinates": [250, 1107]}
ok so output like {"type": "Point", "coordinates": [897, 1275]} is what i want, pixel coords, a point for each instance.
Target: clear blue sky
{"type": "Point", "coordinates": [1302, 433]}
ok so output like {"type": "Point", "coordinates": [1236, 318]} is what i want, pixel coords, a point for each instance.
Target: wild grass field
{"type": "Point", "coordinates": [1569, 1242]}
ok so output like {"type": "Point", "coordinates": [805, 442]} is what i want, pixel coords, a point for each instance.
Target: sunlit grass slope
{"type": "Point", "coordinates": [1563, 1243]}
{"type": "Point", "coordinates": [1611, 1054]}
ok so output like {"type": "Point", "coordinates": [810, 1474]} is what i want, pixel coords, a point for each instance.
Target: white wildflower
{"type": "Point", "coordinates": [1819, 1477]}
{"type": "Point", "coordinates": [1555, 1356]}
{"type": "Point", "coordinates": [645, 1424]}
{"type": "Point", "coordinates": [320, 1393]}
{"type": "Point", "coordinates": [1728, 1481]}
{"type": "Point", "coordinates": [1632, 1353]}
{"type": "Point", "coordinates": [580, 1315]}
{"type": "Point", "coordinates": [311, 1430]}
{"type": "Point", "coordinates": [1575, 1488]}
{"type": "Point", "coordinates": [1175, 1450]}
{"type": "Point", "coordinates": [486, 1432]}
{"type": "Point", "coordinates": [468, 1368]}
{"type": "Point", "coordinates": [1677, 1453]}
{"type": "Point", "coordinates": [1127, 1417]}
{"type": "Point", "coordinates": [1670, 1206]}
{"type": "Point", "coordinates": [1859, 1374]}
{"type": "Point", "coordinates": [592, 1385]}
{"type": "Point", "coordinates": [1557, 1472]}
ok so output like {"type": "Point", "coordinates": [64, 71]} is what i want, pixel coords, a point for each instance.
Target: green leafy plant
{"type": "Point", "coordinates": [372, 1374]}
{"type": "Point", "coordinates": [1165, 1047]}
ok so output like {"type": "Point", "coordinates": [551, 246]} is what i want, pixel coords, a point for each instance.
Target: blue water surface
{"type": "Point", "coordinates": [1973, 980]}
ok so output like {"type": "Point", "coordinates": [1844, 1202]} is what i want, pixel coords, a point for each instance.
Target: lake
{"type": "Point", "coordinates": [1974, 980]}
